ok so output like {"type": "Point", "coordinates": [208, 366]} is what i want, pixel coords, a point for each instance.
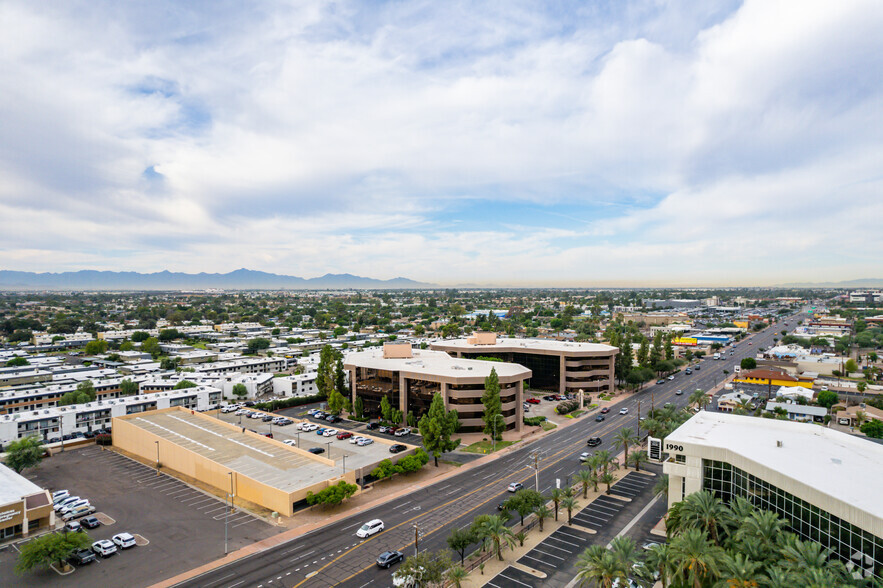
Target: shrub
{"type": "Point", "coordinates": [566, 406]}
{"type": "Point", "coordinates": [534, 421]}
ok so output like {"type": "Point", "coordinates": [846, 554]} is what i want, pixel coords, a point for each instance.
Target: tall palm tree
{"type": "Point", "coordinates": [698, 559]}
{"type": "Point", "coordinates": [623, 439]}
{"type": "Point", "coordinates": [608, 462]}
{"type": "Point", "coordinates": [543, 512]}
{"type": "Point", "coordinates": [569, 503]}
{"type": "Point", "coordinates": [598, 566]}
{"type": "Point", "coordinates": [703, 510]}
{"type": "Point", "coordinates": [625, 550]}
{"type": "Point", "coordinates": [495, 533]}
{"type": "Point", "coordinates": [740, 572]}
{"type": "Point", "coordinates": [556, 497]}
{"type": "Point", "coordinates": [699, 398]}
{"type": "Point", "coordinates": [607, 478]}
{"type": "Point", "coordinates": [455, 575]}
{"type": "Point", "coordinates": [637, 458]}
{"type": "Point", "coordinates": [660, 488]}
{"type": "Point", "coordinates": [660, 559]}
{"type": "Point", "coordinates": [777, 577]}
{"type": "Point", "coordinates": [584, 477]}
{"type": "Point", "coordinates": [764, 526]}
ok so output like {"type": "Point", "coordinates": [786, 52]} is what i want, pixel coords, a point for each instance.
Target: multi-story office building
{"type": "Point", "coordinates": [555, 365]}
{"type": "Point", "coordinates": [409, 378]}
{"type": "Point", "coordinates": [825, 483]}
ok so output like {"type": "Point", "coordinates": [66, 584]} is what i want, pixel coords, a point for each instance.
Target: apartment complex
{"type": "Point", "coordinates": [555, 365]}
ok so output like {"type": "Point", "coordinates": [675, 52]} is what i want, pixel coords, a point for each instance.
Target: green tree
{"type": "Point", "coordinates": [332, 495]}
{"type": "Point", "coordinates": [827, 398]}
{"type": "Point", "coordinates": [524, 502]}
{"type": "Point", "coordinates": [24, 453]}
{"type": "Point", "coordinates": [460, 539]}
{"type": "Point", "coordinates": [698, 560]}
{"type": "Point", "coordinates": [495, 533]}
{"type": "Point", "coordinates": [340, 378]}
{"type": "Point", "coordinates": [556, 497]}
{"type": "Point", "coordinates": [336, 402]}
{"type": "Point", "coordinates": [568, 503]}
{"type": "Point", "coordinates": [624, 439]}
{"type": "Point", "coordinates": [359, 407]}
{"type": "Point", "coordinates": [456, 574]}
{"type": "Point", "coordinates": [325, 371]}
{"type": "Point", "coordinates": [598, 566]}
{"type": "Point", "coordinates": [258, 344]}
{"type": "Point", "coordinates": [126, 346]}
{"type": "Point", "coordinates": [637, 458]}
{"type": "Point", "coordinates": [492, 404]}
{"type": "Point", "coordinates": [166, 335]}
{"type": "Point", "coordinates": [52, 548]}
{"type": "Point", "coordinates": [128, 387]}
{"type": "Point", "coordinates": [151, 346]}
{"type": "Point", "coordinates": [851, 366]}
{"type": "Point", "coordinates": [184, 384]}
{"type": "Point", "coordinates": [17, 362]}
{"type": "Point", "coordinates": [703, 510]}
{"type": "Point", "coordinates": [386, 409]}
{"type": "Point", "coordinates": [437, 426]}
{"type": "Point", "coordinates": [542, 513]}
{"type": "Point", "coordinates": [239, 390]}
{"type": "Point", "coordinates": [659, 558]}
{"type": "Point", "coordinates": [424, 569]}
{"type": "Point", "coordinates": [873, 428]}
{"type": "Point", "coordinates": [699, 398]}
{"type": "Point", "coordinates": [861, 387]}
{"type": "Point", "coordinates": [96, 347]}
{"type": "Point", "coordinates": [748, 363]}
{"type": "Point", "coordinates": [608, 479]}
{"type": "Point", "coordinates": [140, 336]}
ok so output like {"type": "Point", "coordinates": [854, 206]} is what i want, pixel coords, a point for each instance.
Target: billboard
{"type": "Point", "coordinates": [741, 324]}
{"type": "Point", "coordinates": [684, 341]}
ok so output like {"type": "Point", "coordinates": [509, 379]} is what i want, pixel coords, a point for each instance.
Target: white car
{"type": "Point", "coordinates": [60, 495]}
{"type": "Point", "coordinates": [623, 411]}
{"type": "Point", "coordinates": [104, 548]}
{"type": "Point", "coordinates": [329, 432]}
{"type": "Point", "coordinates": [255, 415]}
{"type": "Point", "coordinates": [584, 456]}
{"type": "Point", "coordinates": [124, 540]}
{"type": "Point", "coordinates": [355, 440]}
{"type": "Point", "coordinates": [402, 432]}
{"type": "Point", "coordinates": [72, 505]}
{"type": "Point", "coordinates": [312, 411]}
{"type": "Point", "coordinates": [671, 377]}
{"type": "Point", "coordinates": [370, 528]}
{"type": "Point", "coordinates": [242, 411]}
{"type": "Point", "coordinates": [64, 502]}
{"type": "Point", "coordinates": [299, 426]}
{"type": "Point", "coordinates": [313, 427]}
{"type": "Point", "coordinates": [365, 441]}
{"type": "Point", "coordinates": [290, 442]}
{"type": "Point", "coordinates": [229, 408]}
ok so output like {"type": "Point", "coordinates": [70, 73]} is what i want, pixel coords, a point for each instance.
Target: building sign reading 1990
{"type": "Point", "coordinates": [673, 447]}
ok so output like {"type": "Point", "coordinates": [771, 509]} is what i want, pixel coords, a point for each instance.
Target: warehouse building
{"type": "Point", "coordinates": [409, 378]}
{"type": "Point", "coordinates": [826, 484]}
{"type": "Point", "coordinates": [555, 365]}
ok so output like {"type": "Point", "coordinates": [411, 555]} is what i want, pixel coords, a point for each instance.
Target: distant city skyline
{"type": "Point", "coordinates": [625, 144]}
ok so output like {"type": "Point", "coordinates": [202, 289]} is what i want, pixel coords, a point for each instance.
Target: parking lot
{"type": "Point", "coordinates": [176, 526]}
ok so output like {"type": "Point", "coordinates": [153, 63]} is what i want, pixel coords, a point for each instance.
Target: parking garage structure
{"type": "Point", "coordinates": [409, 378]}
{"type": "Point", "coordinates": [234, 460]}
{"type": "Point", "coordinates": [561, 366]}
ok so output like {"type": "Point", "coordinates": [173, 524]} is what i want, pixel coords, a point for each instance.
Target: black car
{"type": "Point", "coordinates": [316, 450]}
{"type": "Point", "coordinates": [372, 426]}
{"type": "Point", "coordinates": [599, 418]}
{"type": "Point", "coordinates": [593, 441]}
{"type": "Point", "coordinates": [82, 557]}
{"type": "Point", "coordinates": [90, 522]}
{"type": "Point", "coordinates": [396, 448]}
{"type": "Point", "coordinates": [333, 418]}
{"type": "Point", "coordinates": [502, 506]}
{"type": "Point", "coordinates": [387, 558]}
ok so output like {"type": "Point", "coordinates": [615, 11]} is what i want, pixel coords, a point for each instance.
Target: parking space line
{"type": "Point", "coordinates": [253, 520]}
{"type": "Point", "coordinates": [553, 538]}
{"type": "Point", "coordinates": [549, 554]}
{"type": "Point", "coordinates": [514, 580]}
{"type": "Point", "coordinates": [548, 546]}
{"type": "Point", "coordinates": [528, 556]}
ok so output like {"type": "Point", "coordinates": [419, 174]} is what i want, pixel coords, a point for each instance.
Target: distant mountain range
{"type": "Point", "coordinates": [241, 279]}
{"type": "Point", "coordinates": [862, 283]}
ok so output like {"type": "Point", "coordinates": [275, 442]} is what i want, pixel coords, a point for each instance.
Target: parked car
{"type": "Point", "coordinates": [82, 557]}
{"type": "Point", "coordinates": [388, 558]}
{"type": "Point", "coordinates": [72, 505]}
{"type": "Point", "coordinates": [402, 432]}
{"type": "Point", "coordinates": [78, 512]}
{"type": "Point", "coordinates": [515, 487]}
{"type": "Point", "coordinates": [364, 441]}
{"type": "Point", "coordinates": [344, 435]}
{"type": "Point", "coordinates": [229, 408]}
{"type": "Point", "coordinates": [312, 411]}
{"type": "Point", "coordinates": [104, 548]}
{"type": "Point", "coordinates": [594, 441]}
{"type": "Point", "coordinates": [285, 422]}
{"type": "Point", "coordinates": [60, 495]}
{"type": "Point", "coordinates": [90, 522]}
{"type": "Point", "coordinates": [355, 440]}
{"type": "Point", "coordinates": [384, 429]}
{"type": "Point", "coordinates": [267, 418]}
{"type": "Point", "coordinates": [73, 527]}
{"type": "Point", "coordinates": [533, 400]}
{"type": "Point", "coordinates": [333, 418]}
{"type": "Point", "coordinates": [329, 433]}
{"type": "Point", "coordinates": [397, 448]}
{"type": "Point", "coordinates": [124, 540]}
{"type": "Point", "coordinates": [316, 450]}
{"type": "Point", "coordinates": [372, 426]}
{"type": "Point", "coordinates": [370, 528]}
{"type": "Point", "coordinates": [64, 502]}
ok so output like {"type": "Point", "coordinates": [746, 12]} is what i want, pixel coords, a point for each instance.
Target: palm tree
{"type": "Point", "coordinates": [584, 477]}
{"type": "Point", "coordinates": [660, 488]}
{"type": "Point", "coordinates": [764, 526]}
{"type": "Point", "coordinates": [659, 558]}
{"type": "Point", "coordinates": [608, 479]}
{"type": "Point", "coordinates": [455, 575]}
{"type": "Point", "coordinates": [623, 439]}
{"type": "Point", "coordinates": [778, 578]}
{"type": "Point", "coordinates": [599, 566]}
{"type": "Point", "coordinates": [495, 532]}
{"type": "Point", "coordinates": [860, 418]}
{"type": "Point", "coordinates": [654, 427]}
{"type": "Point", "coordinates": [703, 510]}
{"type": "Point", "coordinates": [608, 462]}
{"type": "Point", "coordinates": [569, 502]}
{"type": "Point", "coordinates": [625, 550]}
{"type": "Point", "coordinates": [699, 398]}
{"type": "Point", "coordinates": [698, 559]}
{"type": "Point", "coordinates": [741, 572]}
{"type": "Point", "coordinates": [637, 458]}
{"type": "Point", "coordinates": [543, 512]}
{"type": "Point", "coordinates": [556, 496]}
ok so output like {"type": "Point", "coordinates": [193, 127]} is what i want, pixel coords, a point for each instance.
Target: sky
{"type": "Point", "coordinates": [493, 143]}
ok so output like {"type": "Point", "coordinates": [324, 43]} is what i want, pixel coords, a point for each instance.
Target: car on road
{"type": "Point", "coordinates": [599, 418]}
{"type": "Point", "coordinates": [671, 377]}
{"type": "Point", "coordinates": [585, 455]}
{"type": "Point", "coordinates": [388, 558]}
{"type": "Point", "coordinates": [124, 540]}
{"type": "Point", "coordinates": [605, 410]}
{"type": "Point", "coordinates": [90, 522]}
{"type": "Point", "coordinates": [104, 547]}
{"type": "Point", "coordinates": [679, 392]}
{"type": "Point", "coordinates": [82, 557]}
{"type": "Point", "coordinates": [316, 450]}
{"type": "Point", "coordinates": [403, 432]}
{"type": "Point", "coordinates": [594, 441]}
{"type": "Point", "coordinates": [397, 448]}
{"type": "Point", "coordinates": [344, 435]}
{"type": "Point", "coordinates": [688, 371]}
{"type": "Point", "coordinates": [697, 367]}
{"type": "Point", "coordinates": [533, 400]}
{"type": "Point", "coordinates": [515, 487]}
{"type": "Point", "coordinates": [623, 410]}
{"type": "Point", "coordinates": [370, 528]}
{"type": "Point", "coordinates": [660, 381]}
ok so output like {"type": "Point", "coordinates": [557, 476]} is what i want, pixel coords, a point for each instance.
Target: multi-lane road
{"type": "Point", "coordinates": [333, 555]}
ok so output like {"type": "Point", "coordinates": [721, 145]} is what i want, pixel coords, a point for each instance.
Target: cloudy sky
{"type": "Point", "coordinates": [557, 143]}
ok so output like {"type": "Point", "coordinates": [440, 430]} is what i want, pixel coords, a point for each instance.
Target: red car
{"type": "Point", "coordinates": [533, 400]}
{"type": "Point", "coordinates": [344, 435]}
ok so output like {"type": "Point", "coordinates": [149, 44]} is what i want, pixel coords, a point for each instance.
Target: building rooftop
{"type": "Point", "coordinates": [845, 467]}
{"type": "Point", "coordinates": [14, 487]}
{"type": "Point", "coordinates": [528, 345]}
{"type": "Point", "coordinates": [435, 363]}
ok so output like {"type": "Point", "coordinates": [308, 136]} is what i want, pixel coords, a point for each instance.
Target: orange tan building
{"type": "Point", "coordinates": [24, 506]}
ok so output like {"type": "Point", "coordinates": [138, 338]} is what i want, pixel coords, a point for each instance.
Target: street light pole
{"type": "Point", "coordinates": [344, 464]}
{"type": "Point", "coordinates": [536, 470]}
{"type": "Point", "coordinates": [157, 457]}
{"type": "Point", "coordinates": [416, 540]}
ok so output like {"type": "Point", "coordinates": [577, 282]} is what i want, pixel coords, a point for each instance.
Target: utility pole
{"type": "Point", "coordinates": [416, 540]}
{"type": "Point", "coordinates": [227, 512]}
{"type": "Point", "coordinates": [536, 469]}
{"type": "Point", "coordinates": [639, 420]}
{"type": "Point", "coordinates": [157, 457]}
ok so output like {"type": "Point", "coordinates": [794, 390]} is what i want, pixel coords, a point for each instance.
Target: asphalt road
{"type": "Point", "coordinates": [333, 555]}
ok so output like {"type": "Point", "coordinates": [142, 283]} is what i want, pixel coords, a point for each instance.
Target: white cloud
{"type": "Point", "coordinates": [333, 137]}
